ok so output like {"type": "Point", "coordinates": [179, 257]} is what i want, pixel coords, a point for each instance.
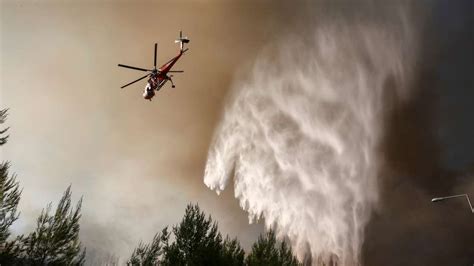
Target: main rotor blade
{"type": "Point", "coordinates": [154, 62]}
{"type": "Point", "coordinates": [136, 68]}
{"type": "Point", "coordinates": [134, 81]}
{"type": "Point", "coordinates": [176, 71]}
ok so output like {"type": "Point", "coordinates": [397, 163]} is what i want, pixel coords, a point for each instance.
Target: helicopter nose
{"type": "Point", "coordinates": [148, 94]}
{"type": "Point", "coordinates": [147, 97]}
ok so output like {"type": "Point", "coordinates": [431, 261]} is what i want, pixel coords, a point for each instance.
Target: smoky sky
{"type": "Point", "coordinates": [137, 164]}
{"type": "Point", "coordinates": [429, 152]}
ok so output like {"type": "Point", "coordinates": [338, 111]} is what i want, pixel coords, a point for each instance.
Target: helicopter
{"type": "Point", "coordinates": [159, 76]}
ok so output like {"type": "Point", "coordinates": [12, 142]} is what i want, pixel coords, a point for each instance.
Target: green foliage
{"type": "Point", "coordinates": [55, 241]}
{"type": "Point", "coordinates": [149, 254]}
{"type": "Point", "coordinates": [3, 117]}
{"type": "Point", "coordinates": [232, 253]}
{"type": "Point", "coordinates": [56, 238]}
{"type": "Point", "coordinates": [197, 241]}
{"type": "Point", "coordinates": [267, 251]}
{"type": "Point", "coordinates": [9, 198]}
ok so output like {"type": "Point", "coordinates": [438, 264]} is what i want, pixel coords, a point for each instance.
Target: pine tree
{"type": "Point", "coordinates": [3, 118]}
{"type": "Point", "coordinates": [56, 238]}
{"type": "Point", "coordinates": [149, 254]}
{"type": "Point", "coordinates": [9, 199]}
{"type": "Point", "coordinates": [232, 252]}
{"type": "Point", "coordinates": [267, 252]}
{"type": "Point", "coordinates": [197, 240]}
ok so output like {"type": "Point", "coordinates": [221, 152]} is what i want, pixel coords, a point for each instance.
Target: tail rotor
{"type": "Point", "coordinates": [181, 40]}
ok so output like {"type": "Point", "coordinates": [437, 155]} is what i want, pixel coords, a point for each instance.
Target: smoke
{"type": "Point", "coordinates": [429, 152]}
{"type": "Point", "coordinates": [300, 134]}
{"type": "Point", "coordinates": [136, 163]}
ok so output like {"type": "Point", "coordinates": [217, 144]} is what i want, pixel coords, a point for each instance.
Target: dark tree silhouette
{"type": "Point", "coordinates": [149, 254]}
{"type": "Point", "coordinates": [197, 241]}
{"type": "Point", "coordinates": [56, 238]}
{"type": "Point", "coordinates": [3, 118]}
{"type": "Point", "coordinates": [55, 241]}
{"type": "Point", "coordinates": [9, 199]}
{"type": "Point", "coordinates": [232, 252]}
{"type": "Point", "coordinates": [267, 251]}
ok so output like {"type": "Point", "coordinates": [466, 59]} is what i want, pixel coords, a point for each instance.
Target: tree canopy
{"type": "Point", "coordinates": [56, 238]}
{"type": "Point", "coordinates": [268, 251]}
{"type": "Point", "coordinates": [194, 241]}
{"type": "Point", "coordinates": [9, 198]}
{"type": "Point", "coordinates": [197, 241]}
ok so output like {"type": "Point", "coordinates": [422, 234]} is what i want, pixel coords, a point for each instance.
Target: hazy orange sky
{"type": "Point", "coordinates": [136, 163]}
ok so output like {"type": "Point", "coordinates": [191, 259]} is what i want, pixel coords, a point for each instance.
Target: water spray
{"type": "Point", "coordinates": [300, 136]}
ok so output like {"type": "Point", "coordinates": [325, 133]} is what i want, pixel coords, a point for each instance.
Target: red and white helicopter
{"type": "Point", "coordinates": [158, 77]}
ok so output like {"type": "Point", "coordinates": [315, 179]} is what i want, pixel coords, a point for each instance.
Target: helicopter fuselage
{"type": "Point", "coordinates": [159, 78]}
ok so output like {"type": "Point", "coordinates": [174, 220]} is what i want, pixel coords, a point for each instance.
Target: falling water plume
{"type": "Point", "coordinates": [300, 136]}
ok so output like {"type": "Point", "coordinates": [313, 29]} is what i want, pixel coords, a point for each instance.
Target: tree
{"type": "Point", "coordinates": [149, 254]}
{"type": "Point", "coordinates": [9, 199]}
{"type": "Point", "coordinates": [197, 240]}
{"type": "Point", "coordinates": [267, 251]}
{"type": "Point", "coordinates": [56, 238]}
{"type": "Point", "coordinates": [9, 191]}
{"type": "Point", "coordinates": [3, 118]}
{"type": "Point", "coordinates": [232, 253]}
